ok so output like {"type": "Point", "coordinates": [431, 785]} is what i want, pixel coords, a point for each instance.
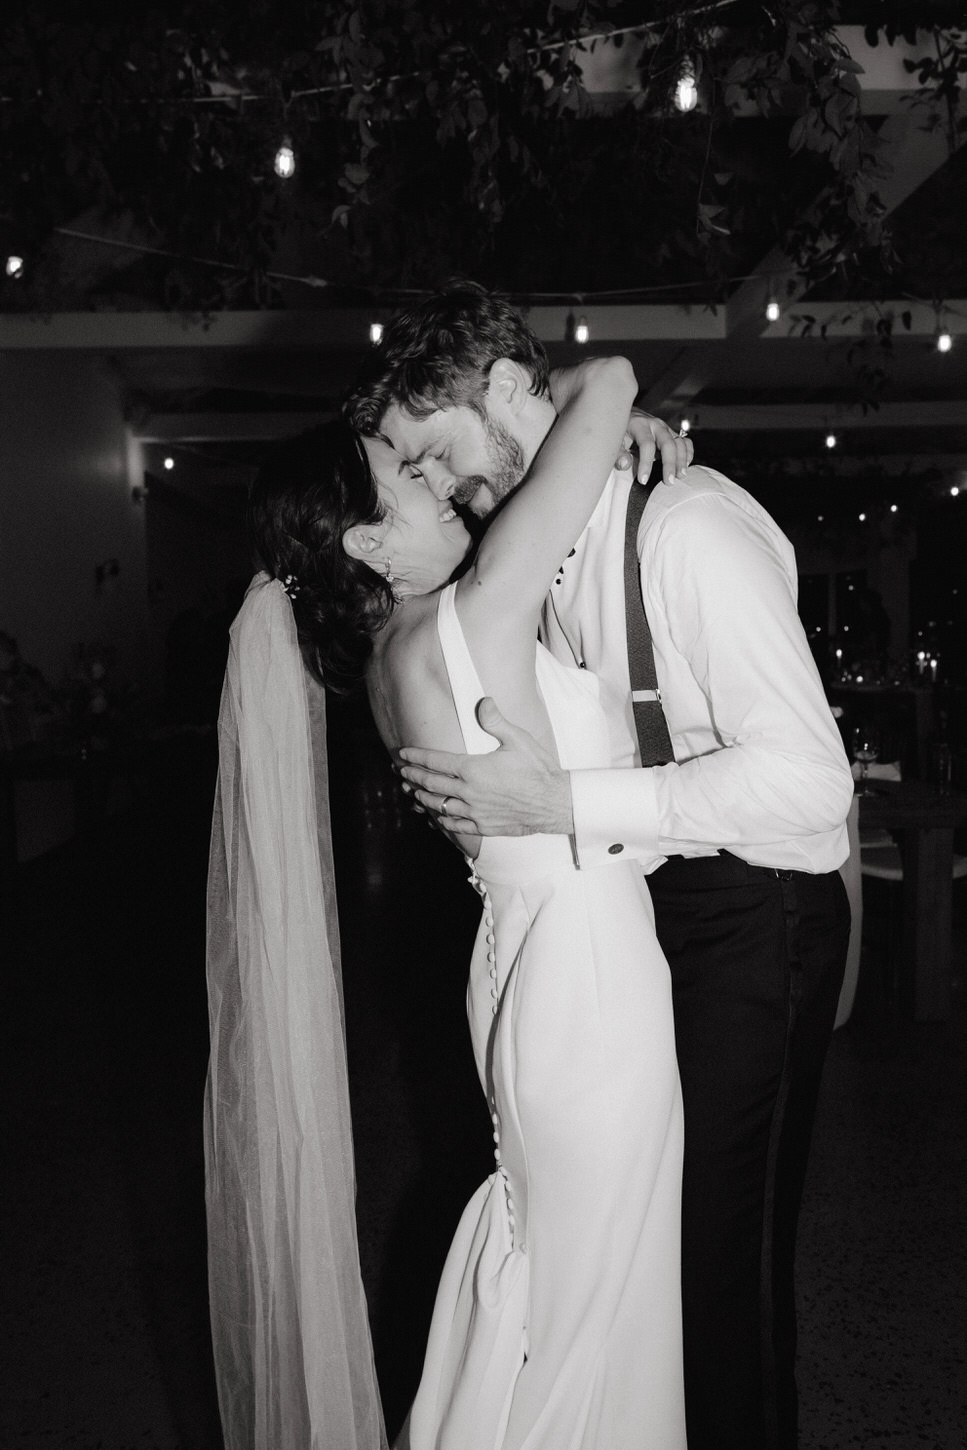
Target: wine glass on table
{"type": "Point", "coordinates": [866, 749]}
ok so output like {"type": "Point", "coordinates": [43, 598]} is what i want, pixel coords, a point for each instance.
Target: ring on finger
{"type": "Point", "coordinates": [443, 808]}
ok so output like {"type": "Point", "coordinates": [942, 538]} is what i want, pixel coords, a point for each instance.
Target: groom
{"type": "Point", "coordinates": [750, 811]}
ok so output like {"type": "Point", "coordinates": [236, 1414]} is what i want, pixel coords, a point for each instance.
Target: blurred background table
{"type": "Point", "coordinates": [924, 823]}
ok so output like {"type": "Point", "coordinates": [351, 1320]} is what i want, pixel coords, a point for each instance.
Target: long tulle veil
{"type": "Point", "coordinates": [293, 1353]}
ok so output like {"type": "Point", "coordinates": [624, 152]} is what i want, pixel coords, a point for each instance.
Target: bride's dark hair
{"type": "Point", "coordinates": [306, 494]}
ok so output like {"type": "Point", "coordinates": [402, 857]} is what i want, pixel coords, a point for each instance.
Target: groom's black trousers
{"type": "Point", "coordinates": [757, 959]}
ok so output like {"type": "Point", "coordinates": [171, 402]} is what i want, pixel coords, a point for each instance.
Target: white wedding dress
{"type": "Point", "coordinates": [557, 1323]}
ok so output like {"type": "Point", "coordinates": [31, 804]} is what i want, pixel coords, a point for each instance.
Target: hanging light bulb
{"type": "Point", "coordinates": [773, 310]}
{"type": "Point", "coordinates": [375, 333]}
{"type": "Point", "coordinates": [685, 426]}
{"type": "Point", "coordinates": [686, 90]}
{"type": "Point", "coordinates": [944, 341]}
{"type": "Point", "coordinates": [284, 162]}
{"type": "Point", "coordinates": [830, 439]}
{"type": "Point", "coordinates": [581, 330]}
{"type": "Point", "coordinates": [955, 491]}
{"type": "Point", "coordinates": [169, 463]}
{"type": "Point", "coordinates": [14, 266]}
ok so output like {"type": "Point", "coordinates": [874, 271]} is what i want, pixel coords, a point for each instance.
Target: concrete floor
{"type": "Point", "coordinates": [103, 1061]}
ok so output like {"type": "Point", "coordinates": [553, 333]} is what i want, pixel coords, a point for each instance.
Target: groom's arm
{"type": "Point", "coordinates": [520, 790]}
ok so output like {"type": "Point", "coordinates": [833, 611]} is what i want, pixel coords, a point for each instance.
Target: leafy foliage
{"type": "Point", "coordinates": [430, 140]}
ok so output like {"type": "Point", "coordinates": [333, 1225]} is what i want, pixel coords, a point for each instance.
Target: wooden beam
{"type": "Point", "coordinates": [340, 330]}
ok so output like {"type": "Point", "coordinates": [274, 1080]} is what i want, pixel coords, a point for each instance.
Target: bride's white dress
{"type": "Point", "coordinates": [557, 1323]}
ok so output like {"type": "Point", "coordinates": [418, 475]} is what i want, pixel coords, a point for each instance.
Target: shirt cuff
{"type": "Point", "coordinates": [615, 816]}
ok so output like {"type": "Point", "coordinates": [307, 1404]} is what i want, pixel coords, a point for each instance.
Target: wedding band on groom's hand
{"type": "Point", "coordinates": [443, 808]}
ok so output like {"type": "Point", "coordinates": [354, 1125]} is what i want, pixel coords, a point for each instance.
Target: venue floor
{"type": "Point", "coordinates": [104, 1039]}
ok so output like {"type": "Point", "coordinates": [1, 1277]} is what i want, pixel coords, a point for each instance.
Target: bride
{"type": "Point", "coordinates": [557, 1319]}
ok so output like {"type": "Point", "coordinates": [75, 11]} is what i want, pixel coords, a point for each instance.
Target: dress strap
{"type": "Point", "coordinates": [465, 686]}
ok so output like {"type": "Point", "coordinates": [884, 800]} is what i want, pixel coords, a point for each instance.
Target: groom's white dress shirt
{"type": "Point", "coordinates": [759, 767]}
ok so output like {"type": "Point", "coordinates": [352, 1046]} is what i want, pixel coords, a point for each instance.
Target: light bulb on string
{"type": "Point", "coordinates": [944, 341]}
{"type": "Point", "coordinates": [284, 163]}
{"type": "Point", "coordinates": [375, 333]}
{"type": "Point", "coordinates": [14, 266]}
{"type": "Point", "coordinates": [773, 310]}
{"type": "Point", "coordinates": [581, 331]}
{"type": "Point", "coordinates": [831, 439]}
{"type": "Point", "coordinates": [685, 427]}
{"type": "Point", "coordinates": [686, 88]}
{"type": "Point", "coordinates": [169, 463]}
{"type": "Point", "coordinates": [955, 491]}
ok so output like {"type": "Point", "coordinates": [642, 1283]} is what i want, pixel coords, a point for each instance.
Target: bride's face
{"type": "Point", "coordinates": [424, 539]}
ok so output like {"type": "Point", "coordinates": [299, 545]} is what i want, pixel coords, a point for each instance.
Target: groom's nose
{"type": "Point", "coordinates": [438, 478]}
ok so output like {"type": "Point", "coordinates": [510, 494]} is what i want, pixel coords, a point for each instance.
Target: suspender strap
{"type": "Point", "coordinates": [654, 742]}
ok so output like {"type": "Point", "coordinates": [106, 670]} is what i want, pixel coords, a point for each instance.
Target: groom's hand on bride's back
{"type": "Point", "coordinates": [516, 790]}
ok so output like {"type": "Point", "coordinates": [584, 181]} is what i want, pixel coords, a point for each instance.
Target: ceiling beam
{"type": "Point", "coordinates": [244, 427]}
{"type": "Point", "coordinates": [344, 329]}
{"type": "Point", "coordinates": [811, 417]}
{"type": "Point", "coordinates": [913, 151]}
{"type": "Point", "coordinates": [253, 425]}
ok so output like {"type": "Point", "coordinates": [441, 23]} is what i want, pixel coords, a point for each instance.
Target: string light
{"type": "Point", "coordinates": [830, 439]}
{"type": "Point", "coordinates": [581, 331]}
{"type": "Point", "coordinates": [686, 90]}
{"type": "Point", "coordinates": [375, 333]}
{"type": "Point", "coordinates": [284, 162]}
{"type": "Point", "coordinates": [944, 342]}
{"type": "Point", "coordinates": [955, 491]}
{"type": "Point", "coordinates": [862, 519]}
{"type": "Point", "coordinates": [773, 310]}
{"type": "Point", "coordinates": [686, 425]}
{"type": "Point", "coordinates": [169, 463]}
{"type": "Point", "coordinates": [14, 266]}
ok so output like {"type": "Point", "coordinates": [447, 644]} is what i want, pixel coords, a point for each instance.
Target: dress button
{"type": "Point", "coordinates": [615, 850]}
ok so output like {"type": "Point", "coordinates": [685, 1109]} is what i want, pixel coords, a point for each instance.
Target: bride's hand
{"type": "Point", "coordinates": [650, 435]}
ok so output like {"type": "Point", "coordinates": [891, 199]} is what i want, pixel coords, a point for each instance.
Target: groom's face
{"type": "Point", "coordinates": [462, 455]}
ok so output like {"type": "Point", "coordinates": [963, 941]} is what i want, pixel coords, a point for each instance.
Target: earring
{"type": "Point", "coordinates": [389, 575]}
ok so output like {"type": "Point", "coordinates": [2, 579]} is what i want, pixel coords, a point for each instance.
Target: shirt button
{"type": "Point", "coordinates": [615, 850]}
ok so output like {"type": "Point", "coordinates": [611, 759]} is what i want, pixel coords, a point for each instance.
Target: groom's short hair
{"type": "Point", "coordinates": [438, 354]}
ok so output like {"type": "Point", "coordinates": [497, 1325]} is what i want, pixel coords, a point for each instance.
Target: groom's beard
{"type": "Point", "coordinates": [506, 469]}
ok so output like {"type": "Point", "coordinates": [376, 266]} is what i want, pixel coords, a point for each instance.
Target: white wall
{"type": "Point", "coordinates": [67, 464]}
{"type": "Point", "coordinates": [67, 468]}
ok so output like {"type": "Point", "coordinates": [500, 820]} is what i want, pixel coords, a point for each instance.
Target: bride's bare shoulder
{"type": "Point", "coordinates": [408, 684]}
